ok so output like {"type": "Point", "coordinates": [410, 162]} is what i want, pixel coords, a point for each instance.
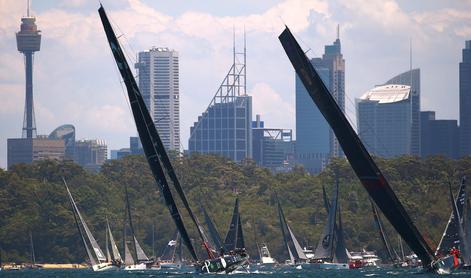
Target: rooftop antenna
{"type": "Point", "coordinates": [338, 31]}
{"type": "Point", "coordinates": [233, 45]}
{"type": "Point", "coordinates": [27, 8]}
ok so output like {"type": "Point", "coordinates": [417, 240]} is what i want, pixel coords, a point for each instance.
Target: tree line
{"type": "Point", "coordinates": [33, 201]}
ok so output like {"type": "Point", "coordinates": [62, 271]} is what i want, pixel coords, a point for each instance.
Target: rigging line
{"type": "Point", "coordinates": [124, 42]}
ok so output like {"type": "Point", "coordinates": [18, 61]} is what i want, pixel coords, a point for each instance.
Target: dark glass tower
{"type": "Point", "coordinates": [28, 40]}
{"type": "Point", "coordinates": [465, 101]}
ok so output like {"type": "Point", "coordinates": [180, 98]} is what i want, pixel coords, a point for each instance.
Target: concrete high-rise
{"type": "Point", "coordinates": [465, 101]}
{"type": "Point", "coordinates": [384, 120]}
{"type": "Point", "coordinates": [412, 78]}
{"type": "Point", "coordinates": [315, 141]}
{"type": "Point", "coordinates": [225, 128]}
{"type": "Point", "coordinates": [28, 41]}
{"type": "Point", "coordinates": [159, 84]}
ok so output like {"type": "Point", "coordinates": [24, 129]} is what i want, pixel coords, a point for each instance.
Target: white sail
{"type": "Point", "coordinates": [128, 260]}
{"type": "Point", "coordinates": [299, 250]}
{"type": "Point", "coordinates": [114, 248]}
{"type": "Point", "coordinates": [141, 256]}
{"type": "Point", "coordinates": [291, 257]}
{"type": "Point", "coordinates": [96, 248]}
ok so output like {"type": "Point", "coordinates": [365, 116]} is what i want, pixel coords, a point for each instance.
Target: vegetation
{"type": "Point", "coordinates": [33, 200]}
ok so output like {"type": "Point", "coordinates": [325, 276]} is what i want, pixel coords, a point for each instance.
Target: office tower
{"type": "Point", "coordinates": [225, 127]}
{"type": "Point", "coordinates": [412, 78]}
{"type": "Point", "coordinates": [28, 150]}
{"type": "Point", "coordinates": [28, 41]}
{"type": "Point", "coordinates": [384, 118]}
{"type": "Point", "coordinates": [465, 101]}
{"type": "Point", "coordinates": [334, 61]}
{"type": "Point", "coordinates": [272, 147]}
{"type": "Point", "coordinates": [66, 133]}
{"type": "Point", "coordinates": [158, 72]}
{"type": "Point", "coordinates": [438, 137]}
{"type": "Point", "coordinates": [312, 131]}
{"type": "Point", "coordinates": [91, 154]}
{"type": "Point", "coordinates": [315, 141]}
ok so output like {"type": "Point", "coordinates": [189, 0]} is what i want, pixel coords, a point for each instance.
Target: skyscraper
{"type": "Point", "coordinates": [159, 84]}
{"type": "Point", "coordinates": [312, 130]}
{"type": "Point", "coordinates": [91, 154]}
{"type": "Point", "coordinates": [384, 120]}
{"type": "Point", "coordinates": [315, 141]}
{"type": "Point", "coordinates": [225, 127]}
{"type": "Point", "coordinates": [28, 41]}
{"type": "Point", "coordinates": [334, 61]}
{"type": "Point", "coordinates": [412, 78]}
{"type": "Point", "coordinates": [465, 101]}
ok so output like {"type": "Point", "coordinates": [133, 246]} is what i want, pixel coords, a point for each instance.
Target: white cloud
{"type": "Point", "coordinates": [275, 111]}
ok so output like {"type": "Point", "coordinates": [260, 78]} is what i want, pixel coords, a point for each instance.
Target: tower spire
{"type": "Point", "coordinates": [338, 31]}
{"type": "Point", "coordinates": [27, 8]}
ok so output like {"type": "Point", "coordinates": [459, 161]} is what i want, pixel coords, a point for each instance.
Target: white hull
{"type": "Point", "coordinates": [135, 267]}
{"type": "Point", "coordinates": [333, 266]}
{"type": "Point", "coordinates": [104, 267]}
{"type": "Point", "coordinates": [268, 260]}
{"type": "Point", "coordinates": [170, 265]}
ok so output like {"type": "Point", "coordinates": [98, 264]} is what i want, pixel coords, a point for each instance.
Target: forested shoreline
{"type": "Point", "coordinates": [33, 200]}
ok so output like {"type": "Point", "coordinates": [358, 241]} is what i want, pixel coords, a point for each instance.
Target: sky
{"type": "Point", "coordinates": [76, 80]}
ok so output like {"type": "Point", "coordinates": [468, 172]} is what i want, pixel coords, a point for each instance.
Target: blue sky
{"type": "Point", "coordinates": [76, 81]}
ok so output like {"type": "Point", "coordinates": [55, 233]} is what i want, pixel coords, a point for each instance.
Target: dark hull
{"type": "Point", "coordinates": [225, 264]}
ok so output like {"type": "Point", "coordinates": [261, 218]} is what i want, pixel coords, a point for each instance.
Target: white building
{"type": "Point", "coordinates": [159, 84]}
{"type": "Point", "coordinates": [384, 116]}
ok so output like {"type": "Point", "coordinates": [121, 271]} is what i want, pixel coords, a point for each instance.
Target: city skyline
{"type": "Point", "coordinates": [75, 81]}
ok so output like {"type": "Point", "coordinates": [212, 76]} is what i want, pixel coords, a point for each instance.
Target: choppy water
{"type": "Point", "coordinates": [275, 272]}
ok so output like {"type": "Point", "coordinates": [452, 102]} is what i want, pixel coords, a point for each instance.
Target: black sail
{"type": "Point", "coordinates": [230, 242]}
{"type": "Point", "coordinates": [356, 153]}
{"type": "Point", "coordinates": [450, 238]}
{"type": "Point", "coordinates": [147, 132]}
{"type": "Point", "coordinates": [382, 233]}
{"type": "Point", "coordinates": [326, 199]}
{"type": "Point", "coordinates": [325, 246]}
{"type": "Point", "coordinates": [213, 232]}
{"type": "Point", "coordinates": [240, 244]}
{"type": "Point", "coordinates": [341, 255]}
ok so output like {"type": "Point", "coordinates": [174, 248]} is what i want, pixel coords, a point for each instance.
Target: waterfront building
{"type": "Point", "coordinates": [412, 78]}
{"type": "Point", "coordinates": [465, 100]}
{"type": "Point", "coordinates": [28, 150]}
{"type": "Point", "coordinates": [158, 71]}
{"type": "Point", "coordinates": [225, 127]}
{"type": "Point", "coordinates": [273, 148]}
{"type": "Point", "coordinates": [384, 120]}
{"type": "Point", "coordinates": [438, 137]}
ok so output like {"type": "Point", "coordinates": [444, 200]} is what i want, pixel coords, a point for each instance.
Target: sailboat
{"type": "Point", "coordinates": [295, 252]}
{"type": "Point", "coordinates": [100, 263]}
{"type": "Point", "coordinates": [451, 238]}
{"type": "Point", "coordinates": [114, 256]}
{"type": "Point", "coordinates": [234, 242]}
{"type": "Point", "coordinates": [160, 164]}
{"type": "Point", "coordinates": [363, 165]}
{"type": "Point", "coordinates": [138, 260]}
{"type": "Point", "coordinates": [331, 252]}
{"type": "Point", "coordinates": [171, 256]}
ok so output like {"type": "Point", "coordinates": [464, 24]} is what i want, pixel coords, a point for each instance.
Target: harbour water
{"type": "Point", "coordinates": [276, 272]}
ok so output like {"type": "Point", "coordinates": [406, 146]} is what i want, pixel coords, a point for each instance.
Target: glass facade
{"type": "Point", "coordinates": [465, 101]}
{"type": "Point", "coordinates": [224, 129]}
{"type": "Point", "coordinates": [384, 120]}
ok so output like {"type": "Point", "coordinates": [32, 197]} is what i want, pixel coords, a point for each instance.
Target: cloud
{"type": "Point", "coordinates": [275, 111]}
